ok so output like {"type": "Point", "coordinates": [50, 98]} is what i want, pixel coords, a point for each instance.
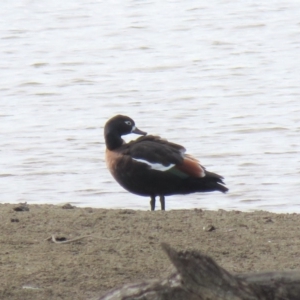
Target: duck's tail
{"type": "Point", "coordinates": [215, 182]}
{"type": "Point", "coordinates": [209, 183]}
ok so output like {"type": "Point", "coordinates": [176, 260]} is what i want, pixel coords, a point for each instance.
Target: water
{"type": "Point", "coordinates": [221, 78]}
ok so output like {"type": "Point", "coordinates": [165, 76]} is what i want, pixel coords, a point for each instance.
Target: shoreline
{"type": "Point", "coordinates": [118, 246]}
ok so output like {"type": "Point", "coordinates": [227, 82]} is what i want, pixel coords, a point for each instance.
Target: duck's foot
{"type": "Point", "coordinates": [162, 202]}
{"type": "Point", "coordinates": [152, 203]}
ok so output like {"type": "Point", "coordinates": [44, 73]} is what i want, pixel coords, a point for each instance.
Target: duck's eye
{"type": "Point", "coordinates": [128, 123]}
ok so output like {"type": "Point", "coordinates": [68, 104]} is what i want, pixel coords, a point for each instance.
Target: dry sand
{"type": "Point", "coordinates": [125, 246]}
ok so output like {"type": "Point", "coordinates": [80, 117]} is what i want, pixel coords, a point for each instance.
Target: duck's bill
{"type": "Point", "coordinates": [137, 131]}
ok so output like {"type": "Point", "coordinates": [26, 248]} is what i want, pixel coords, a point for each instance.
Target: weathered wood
{"type": "Point", "coordinates": [283, 285]}
{"type": "Point", "coordinates": [203, 277]}
{"type": "Point", "coordinates": [198, 277]}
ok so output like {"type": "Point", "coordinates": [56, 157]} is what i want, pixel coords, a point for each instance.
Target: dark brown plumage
{"type": "Point", "coordinates": [151, 166]}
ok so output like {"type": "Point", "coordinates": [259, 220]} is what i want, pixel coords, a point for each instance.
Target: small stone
{"type": "Point", "coordinates": [68, 206]}
{"type": "Point", "coordinates": [14, 220]}
{"type": "Point", "coordinates": [21, 207]}
{"type": "Point", "coordinates": [60, 239]}
{"type": "Point", "coordinates": [209, 228]}
{"type": "Point", "coordinates": [269, 220]}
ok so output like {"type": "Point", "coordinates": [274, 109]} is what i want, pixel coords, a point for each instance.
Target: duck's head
{"type": "Point", "coordinates": [121, 125]}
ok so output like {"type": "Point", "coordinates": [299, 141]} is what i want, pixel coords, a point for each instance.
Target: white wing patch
{"type": "Point", "coordinates": [155, 166]}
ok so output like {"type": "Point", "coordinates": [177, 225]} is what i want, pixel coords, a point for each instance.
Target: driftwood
{"type": "Point", "coordinates": [198, 277]}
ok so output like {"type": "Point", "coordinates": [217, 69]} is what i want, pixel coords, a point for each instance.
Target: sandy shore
{"type": "Point", "coordinates": [124, 246]}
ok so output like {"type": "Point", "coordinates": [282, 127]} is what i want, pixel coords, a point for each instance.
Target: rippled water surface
{"type": "Point", "coordinates": [221, 78]}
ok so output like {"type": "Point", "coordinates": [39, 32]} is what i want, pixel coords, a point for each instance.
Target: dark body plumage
{"type": "Point", "coordinates": [151, 166]}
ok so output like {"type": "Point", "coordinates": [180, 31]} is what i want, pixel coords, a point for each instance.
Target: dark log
{"type": "Point", "coordinates": [198, 277]}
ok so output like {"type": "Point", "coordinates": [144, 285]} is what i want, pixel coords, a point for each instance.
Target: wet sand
{"type": "Point", "coordinates": [121, 246]}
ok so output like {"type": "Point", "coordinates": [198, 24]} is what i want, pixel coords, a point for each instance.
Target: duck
{"type": "Point", "coordinates": [151, 166]}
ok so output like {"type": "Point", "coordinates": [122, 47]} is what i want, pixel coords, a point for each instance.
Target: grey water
{"type": "Point", "coordinates": [220, 77]}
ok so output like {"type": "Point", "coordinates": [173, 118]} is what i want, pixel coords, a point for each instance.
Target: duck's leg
{"type": "Point", "coordinates": [152, 202]}
{"type": "Point", "coordinates": [162, 202]}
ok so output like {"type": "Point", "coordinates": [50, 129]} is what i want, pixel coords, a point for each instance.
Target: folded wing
{"type": "Point", "coordinates": [164, 156]}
